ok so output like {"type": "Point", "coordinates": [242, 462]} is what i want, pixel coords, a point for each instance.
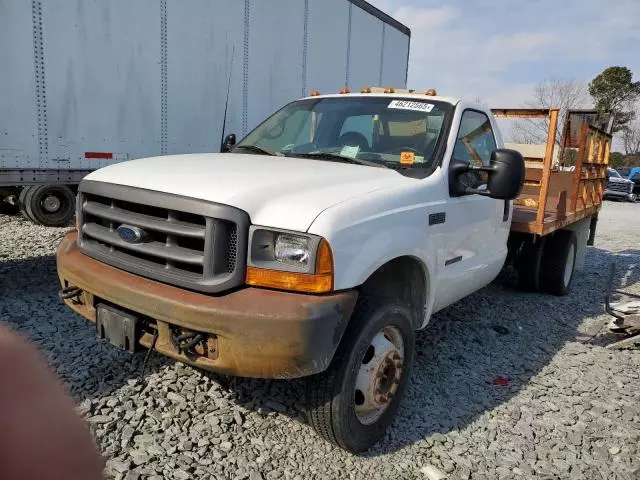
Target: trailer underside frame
{"type": "Point", "coordinates": [12, 177]}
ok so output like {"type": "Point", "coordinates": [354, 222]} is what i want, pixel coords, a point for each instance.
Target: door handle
{"type": "Point", "coordinates": [437, 218]}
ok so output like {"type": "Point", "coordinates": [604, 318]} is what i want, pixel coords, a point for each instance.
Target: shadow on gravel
{"type": "Point", "coordinates": [496, 332]}
{"type": "Point", "coordinates": [29, 304]}
{"type": "Point", "coordinates": [7, 209]}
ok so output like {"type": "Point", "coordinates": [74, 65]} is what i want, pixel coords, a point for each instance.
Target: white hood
{"type": "Point", "coordinates": [281, 192]}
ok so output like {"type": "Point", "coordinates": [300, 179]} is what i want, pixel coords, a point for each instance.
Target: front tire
{"type": "Point", "coordinates": [352, 403]}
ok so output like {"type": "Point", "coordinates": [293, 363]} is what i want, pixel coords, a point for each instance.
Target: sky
{"type": "Point", "coordinates": [498, 50]}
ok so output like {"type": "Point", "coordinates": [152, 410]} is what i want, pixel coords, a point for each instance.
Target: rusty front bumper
{"type": "Point", "coordinates": [253, 332]}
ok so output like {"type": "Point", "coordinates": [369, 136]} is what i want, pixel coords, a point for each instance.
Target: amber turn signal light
{"type": "Point", "coordinates": [319, 282]}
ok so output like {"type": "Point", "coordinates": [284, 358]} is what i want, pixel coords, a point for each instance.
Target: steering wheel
{"type": "Point", "coordinates": [400, 150]}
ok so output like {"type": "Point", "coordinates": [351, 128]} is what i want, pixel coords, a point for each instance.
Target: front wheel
{"type": "Point", "coordinates": [353, 402]}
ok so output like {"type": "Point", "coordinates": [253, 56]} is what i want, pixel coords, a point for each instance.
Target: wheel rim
{"type": "Point", "coordinates": [51, 203]}
{"type": "Point", "coordinates": [568, 267]}
{"type": "Point", "coordinates": [379, 375]}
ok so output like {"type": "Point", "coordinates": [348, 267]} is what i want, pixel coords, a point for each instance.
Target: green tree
{"type": "Point", "coordinates": [616, 160]}
{"type": "Point", "coordinates": [614, 91]}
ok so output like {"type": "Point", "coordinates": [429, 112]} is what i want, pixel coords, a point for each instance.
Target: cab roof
{"type": "Point", "coordinates": [407, 95]}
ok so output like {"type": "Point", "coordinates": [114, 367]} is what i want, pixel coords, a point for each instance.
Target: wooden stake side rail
{"type": "Point", "coordinates": [555, 196]}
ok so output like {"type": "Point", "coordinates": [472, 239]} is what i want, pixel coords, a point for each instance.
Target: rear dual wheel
{"type": "Point", "coordinates": [49, 205]}
{"type": "Point", "coordinates": [558, 262]}
{"type": "Point", "coordinates": [548, 264]}
{"type": "Point", "coordinates": [353, 402]}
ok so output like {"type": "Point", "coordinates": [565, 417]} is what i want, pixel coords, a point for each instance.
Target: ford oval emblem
{"type": "Point", "coordinates": [131, 234]}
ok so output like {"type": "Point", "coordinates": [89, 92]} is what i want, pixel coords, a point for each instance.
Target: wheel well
{"type": "Point", "coordinates": [403, 278]}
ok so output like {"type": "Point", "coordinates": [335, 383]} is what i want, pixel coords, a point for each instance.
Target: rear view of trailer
{"type": "Point", "coordinates": [87, 83]}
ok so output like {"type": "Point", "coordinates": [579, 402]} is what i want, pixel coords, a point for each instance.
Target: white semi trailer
{"type": "Point", "coordinates": [86, 83]}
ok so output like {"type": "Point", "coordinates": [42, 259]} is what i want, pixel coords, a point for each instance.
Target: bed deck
{"type": "Point", "coordinates": [563, 183]}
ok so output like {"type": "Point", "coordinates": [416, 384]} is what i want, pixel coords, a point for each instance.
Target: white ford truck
{"type": "Point", "coordinates": [315, 247]}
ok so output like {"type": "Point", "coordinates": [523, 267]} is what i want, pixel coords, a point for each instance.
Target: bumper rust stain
{"type": "Point", "coordinates": [260, 333]}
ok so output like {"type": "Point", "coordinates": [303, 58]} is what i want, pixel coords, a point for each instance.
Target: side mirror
{"type": "Point", "coordinates": [505, 175]}
{"type": "Point", "coordinates": [229, 143]}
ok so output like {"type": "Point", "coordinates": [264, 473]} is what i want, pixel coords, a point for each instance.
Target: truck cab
{"type": "Point", "coordinates": [315, 247]}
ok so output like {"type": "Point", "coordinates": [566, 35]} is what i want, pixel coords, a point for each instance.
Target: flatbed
{"type": "Point", "coordinates": [564, 183]}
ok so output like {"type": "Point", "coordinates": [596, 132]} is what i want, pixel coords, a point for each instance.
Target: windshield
{"type": "Point", "coordinates": [391, 132]}
{"type": "Point", "coordinates": [614, 174]}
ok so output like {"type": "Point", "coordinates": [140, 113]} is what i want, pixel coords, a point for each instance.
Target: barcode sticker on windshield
{"type": "Point", "coordinates": [410, 105]}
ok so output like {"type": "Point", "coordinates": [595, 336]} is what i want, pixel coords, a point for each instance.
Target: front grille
{"type": "Point", "coordinates": [187, 242]}
{"type": "Point", "coordinates": [619, 187]}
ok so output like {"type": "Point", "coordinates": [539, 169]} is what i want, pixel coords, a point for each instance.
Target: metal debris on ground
{"type": "Point", "coordinates": [625, 313]}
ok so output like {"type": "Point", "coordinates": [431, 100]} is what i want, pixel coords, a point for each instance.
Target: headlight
{"type": "Point", "coordinates": [289, 261]}
{"type": "Point", "coordinates": [292, 250]}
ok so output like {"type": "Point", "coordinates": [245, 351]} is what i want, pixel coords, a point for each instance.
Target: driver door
{"type": "Point", "coordinates": [476, 228]}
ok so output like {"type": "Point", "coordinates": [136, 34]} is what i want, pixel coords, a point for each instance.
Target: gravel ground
{"type": "Point", "coordinates": [571, 408]}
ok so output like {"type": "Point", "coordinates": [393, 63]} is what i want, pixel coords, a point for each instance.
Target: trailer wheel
{"type": "Point", "coordinates": [353, 402]}
{"type": "Point", "coordinates": [529, 265]}
{"type": "Point", "coordinates": [558, 262]}
{"type": "Point", "coordinates": [49, 205]}
{"type": "Point", "coordinates": [23, 202]}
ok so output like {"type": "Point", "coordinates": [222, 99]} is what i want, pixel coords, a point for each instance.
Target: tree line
{"type": "Point", "coordinates": [613, 93]}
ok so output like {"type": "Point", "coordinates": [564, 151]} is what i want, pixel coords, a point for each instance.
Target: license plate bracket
{"type": "Point", "coordinates": [116, 326]}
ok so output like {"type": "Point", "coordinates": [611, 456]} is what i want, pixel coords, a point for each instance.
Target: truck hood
{"type": "Point", "coordinates": [282, 192]}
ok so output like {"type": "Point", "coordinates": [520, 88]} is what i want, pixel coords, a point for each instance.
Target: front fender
{"type": "Point", "coordinates": [353, 266]}
{"type": "Point", "coordinates": [362, 245]}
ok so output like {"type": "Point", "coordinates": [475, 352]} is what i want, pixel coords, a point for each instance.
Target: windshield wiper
{"type": "Point", "coordinates": [254, 149]}
{"type": "Point", "coordinates": [337, 157]}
